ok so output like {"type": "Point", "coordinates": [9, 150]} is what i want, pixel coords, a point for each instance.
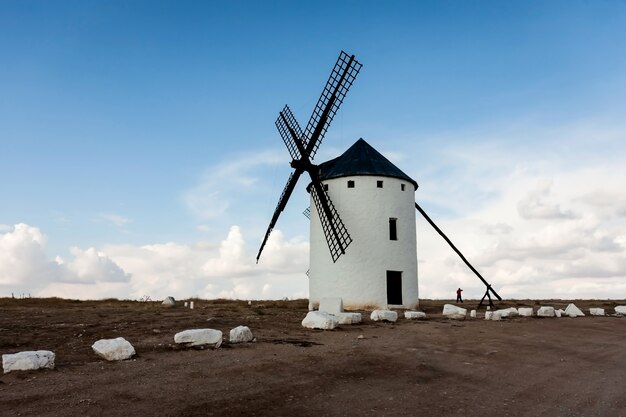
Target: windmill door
{"type": "Point", "coordinates": [394, 287]}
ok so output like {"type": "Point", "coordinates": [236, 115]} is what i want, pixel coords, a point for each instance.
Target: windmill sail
{"type": "Point", "coordinates": [303, 146]}
{"type": "Point", "coordinates": [335, 231]}
{"type": "Point", "coordinates": [341, 78]}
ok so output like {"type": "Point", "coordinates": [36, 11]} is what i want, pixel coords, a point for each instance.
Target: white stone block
{"type": "Point", "coordinates": [241, 334]}
{"type": "Point", "coordinates": [349, 318]}
{"type": "Point", "coordinates": [596, 311]}
{"type": "Point", "coordinates": [384, 315]}
{"type": "Point", "coordinates": [573, 311]}
{"type": "Point", "coordinates": [319, 320]}
{"type": "Point", "coordinates": [27, 360]}
{"type": "Point", "coordinates": [453, 312]}
{"type": "Point", "coordinates": [525, 311]}
{"type": "Point", "coordinates": [116, 349]}
{"type": "Point", "coordinates": [558, 313]}
{"type": "Point", "coordinates": [507, 312]}
{"type": "Point", "coordinates": [331, 305]}
{"type": "Point", "coordinates": [488, 314]}
{"type": "Point", "coordinates": [473, 314]}
{"type": "Point", "coordinates": [620, 310]}
{"type": "Point", "coordinates": [414, 315]}
{"type": "Point", "coordinates": [545, 311]}
{"type": "Point", "coordinates": [199, 337]}
{"type": "Point", "coordinates": [169, 301]}
{"type": "Point", "coordinates": [496, 315]}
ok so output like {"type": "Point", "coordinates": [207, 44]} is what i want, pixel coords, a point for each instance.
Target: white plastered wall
{"type": "Point", "coordinates": [359, 276]}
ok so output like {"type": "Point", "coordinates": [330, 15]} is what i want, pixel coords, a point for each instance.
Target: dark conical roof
{"type": "Point", "coordinates": [361, 159]}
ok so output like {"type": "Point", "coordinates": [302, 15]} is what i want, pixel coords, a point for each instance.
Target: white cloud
{"type": "Point", "coordinates": [226, 183]}
{"type": "Point", "coordinates": [116, 219]}
{"type": "Point", "coordinates": [26, 268]}
{"type": "Point", "coordinates": [535, 204]}
{"type": "Point", "coordinates": [93, 266]}
{"type": "Point", "coordinates": [23, 262]}
{"type": "Point", "coordinates": [554, 239]}
{"type": "Point", "coordinates": [208, 270]}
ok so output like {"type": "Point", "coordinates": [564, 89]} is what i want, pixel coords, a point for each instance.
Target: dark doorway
{"type": "Point", "coordinates": [394, 287]}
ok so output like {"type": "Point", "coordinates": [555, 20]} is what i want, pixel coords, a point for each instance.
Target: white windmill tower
{"type": "Point", "coordinates": [376, 201]}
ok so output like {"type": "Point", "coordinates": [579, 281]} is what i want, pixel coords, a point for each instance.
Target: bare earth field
{"type": "Point", "coordinates": [437, 367]}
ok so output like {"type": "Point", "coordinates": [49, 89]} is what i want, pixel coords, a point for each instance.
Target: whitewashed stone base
{"type": "Point", "coordinates": [199, 337]}
{"type": "Point", "coordinates": [545, 311]}
{"type": "Point", "coordinates": [596, 311]}
{"type": "Point", "coordinates": [573, 311]}
{"type": "Point", "coordinates": [414, 315]}
{"type": "Point", "coordinates": [559, 313]}
{"type": "Point", "coordinates": [496, 315]}
{"type": "Point", "coordinates": [507, 312]}
{"type": "Point", "coordinates": [473, 314]}
{"type": "Point", "coordinates": [319, 320]}
{"type": "Point", "coordinates": [384, 315]}
{"type": "Point", "coordinates": [241, 334]}
{"type": "Point", "coordinates": [116, 349]}
{"type": "Point", "coordinates": [28, 360]}
{"type": "Point", "coordinates": [331, 305]}
{"type": "Point", "coordinates": [488, 315]}
{"type": "Point", "coordinates": [620, 310]}
{"type": "Point", "coordinates": [525, 311]}
{"type": "Point", "coordinates": [453, 312]}
{"type": "Point", "coordinates": [349, 318]}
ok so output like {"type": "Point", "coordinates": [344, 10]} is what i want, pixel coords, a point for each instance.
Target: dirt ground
{"type": "Point", "coordinates": [436, 367]}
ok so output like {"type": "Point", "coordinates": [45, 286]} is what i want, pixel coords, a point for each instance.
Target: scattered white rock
{"type": "Point", "coordinates": [331, 305]}
{"type": "Point", "coordinates": [496, 315]}
{"type": "Point", "coordinates": [27, 360]}
{"type": "Point", "coordinates": [384, 315]}
{"type": "Point", "coordinates": [620, 310]}
{"type": "Point", "coordinates": [546, 311]}
{"type": "Point", "coordinates": [525, 311]}
{"type": "Point", "coordinates": [199, 337]}
{"type": "Point", "coordinates": [573, 311]}
{"type": "Point", "coordinates": [488, 314]}
{"type": "Point", "coordinates": [507, 312]}
{"type": "Point", "coordinates": [414, 315]}
{"type": "Point", "coordinates": [473, 314]}
{"type": "Point", "coordinates": [453, 312]}
{"type": "Point", "coordinates": [559, 312]}
{"type": "Point", "coordinates": [169, 301]}
{"type": "Point", "coordinates": [116, 349]}
{"type": "Point", "coordinates": [349, 318]}
{"type": "Point", "coordinates": [241, 334]}
{"type": "Point", "coordinates": [596, 311]}
{"type": "Point", "coordinates": [319, 320]}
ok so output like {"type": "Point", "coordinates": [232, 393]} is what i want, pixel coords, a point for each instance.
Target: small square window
{"type": "Point", "coordinates": [350, 184]}
{"type": "Point", "coordinates": [402, 187]}
{"type": "Point", "coordinates": [379, 184]}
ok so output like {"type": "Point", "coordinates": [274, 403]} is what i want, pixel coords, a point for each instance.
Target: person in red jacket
{"type": "Point", "coordinates": [458, 295]}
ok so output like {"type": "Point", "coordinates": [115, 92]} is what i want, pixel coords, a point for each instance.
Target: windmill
{"type": "Point", "coordinates": [372, 195]}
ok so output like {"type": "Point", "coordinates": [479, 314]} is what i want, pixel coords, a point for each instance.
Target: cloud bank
{"type": "Point", "coordinates": [207, 270]}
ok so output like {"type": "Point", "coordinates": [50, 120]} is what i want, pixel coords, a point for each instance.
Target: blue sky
{"type": "Point", "coordinates": [130, 125]}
